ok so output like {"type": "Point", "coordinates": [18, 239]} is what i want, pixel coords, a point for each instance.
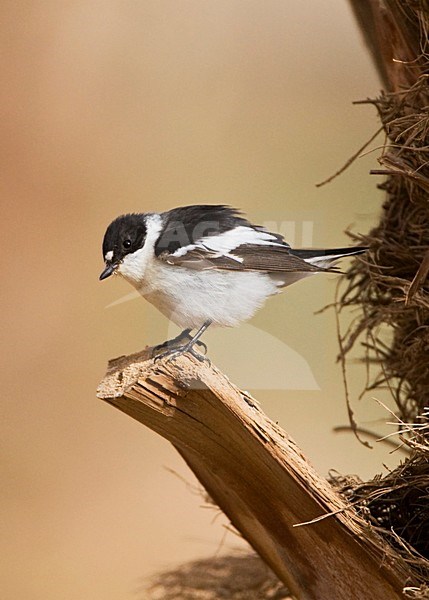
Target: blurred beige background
{"type": "Point", "coordinates": [117, 106]}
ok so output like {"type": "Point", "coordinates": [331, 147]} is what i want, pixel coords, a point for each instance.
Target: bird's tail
{"type": "Point", "coordinates": [326, 258]}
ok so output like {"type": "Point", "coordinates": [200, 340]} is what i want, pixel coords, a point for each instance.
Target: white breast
{"type": "Point", "coordinates": [189, 297]}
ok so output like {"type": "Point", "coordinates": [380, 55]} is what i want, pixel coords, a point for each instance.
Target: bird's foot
{"type": "Point", "coordinates": [173, 352]}
{"type": "Point", "coordinates": [185, 335]}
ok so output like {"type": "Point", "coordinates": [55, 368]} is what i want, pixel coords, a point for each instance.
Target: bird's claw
{"type": "Point", "coordinates": [203, 346]}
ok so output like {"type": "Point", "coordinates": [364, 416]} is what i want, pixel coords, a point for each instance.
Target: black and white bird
{"type": "Point", "coordinates": [206, 265]}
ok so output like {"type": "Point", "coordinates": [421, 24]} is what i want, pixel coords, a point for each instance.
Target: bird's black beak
{"type": "Point", "coordinates": [110, 268]}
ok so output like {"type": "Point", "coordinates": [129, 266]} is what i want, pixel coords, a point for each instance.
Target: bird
{"type": "Point", "coordinates": [206, 265]}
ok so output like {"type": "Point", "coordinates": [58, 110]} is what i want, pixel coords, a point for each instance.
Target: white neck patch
{"type": "Point", "coordinates": [133, 266]}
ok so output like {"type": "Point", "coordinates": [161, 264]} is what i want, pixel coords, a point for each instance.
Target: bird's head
{"type": "Point", "coordinates": [124, 237]}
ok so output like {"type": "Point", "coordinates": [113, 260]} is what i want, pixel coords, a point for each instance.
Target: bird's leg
{"type": "Point", "coordinates": [196, 340]}
{"type": "Point", "coordinates": [188, 347]}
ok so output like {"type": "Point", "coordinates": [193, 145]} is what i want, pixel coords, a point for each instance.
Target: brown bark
{"type": "Point", "coordinates": [258, 477]}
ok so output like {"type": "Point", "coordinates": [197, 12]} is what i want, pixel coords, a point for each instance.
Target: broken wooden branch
{"type": "Point", "coordinates": [258, 476]}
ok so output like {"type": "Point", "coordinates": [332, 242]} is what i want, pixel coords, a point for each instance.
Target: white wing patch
{"type": "Point", "coordinates": [183, 250]}
{"type": "Point", "coordinates": [224, 243]}
{"type": "Point", "coordinates": [230, 240]}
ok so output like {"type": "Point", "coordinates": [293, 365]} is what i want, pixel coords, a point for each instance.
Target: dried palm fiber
{"type": "Point", "coordinates": [397, 504]}
{"type": "Point", "coordinates": [394, 319]}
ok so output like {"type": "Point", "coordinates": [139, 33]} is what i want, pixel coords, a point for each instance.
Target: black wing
{"type": "Point", "coordinates": [187, 225]}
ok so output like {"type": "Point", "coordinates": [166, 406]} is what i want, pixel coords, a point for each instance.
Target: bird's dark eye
{"type": "Point", "coordinates": [126, 243]}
